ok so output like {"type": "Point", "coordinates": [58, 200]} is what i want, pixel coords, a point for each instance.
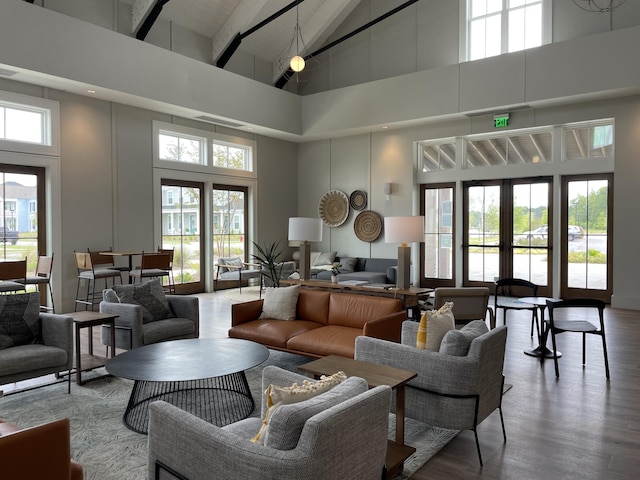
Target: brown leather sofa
{"type": "Point", "coordinates": [38, 452]}
{"type": "Point", "coordinates": [327, 323]}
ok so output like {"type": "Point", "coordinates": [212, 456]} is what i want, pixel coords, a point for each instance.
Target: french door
{"type": "Point", "coordinates": [587, 202]}
{"type": "Point", "coordinates": [182, 224]}
{"type": "Point", "coordinates": [230, 222]}
{"type": "Point", "coordinates": [507, 232]}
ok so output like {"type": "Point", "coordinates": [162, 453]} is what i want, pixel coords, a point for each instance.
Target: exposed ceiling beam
{"type": "Point", "coordinates": [539, 149]}
{"type": "Point", "coordinates": [228, 38]}
{"type": "Point", "coordinates": [288, 73]}
{"type": "Point", "coordinates": [579, 142]}
{"type": "Point", "coordinates": [516, 149]}
{"type": "Point", "coordinates": [498, 150]}
{"type": "Point", "coordinates": [144, 14]}
{"type": "Point", "coordinates": [481, 154]}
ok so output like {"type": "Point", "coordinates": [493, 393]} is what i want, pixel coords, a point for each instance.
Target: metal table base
{"type": "Point", "coordinates": [218, 400]}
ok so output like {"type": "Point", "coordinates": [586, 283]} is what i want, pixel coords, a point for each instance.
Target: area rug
{"type": "Point", "coordinates": [110, 451]}
{"type": "Point", "coordinates": [247, 294]}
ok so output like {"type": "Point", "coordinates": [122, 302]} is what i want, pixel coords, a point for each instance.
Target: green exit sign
{"type": "Point", "coordinates": [501, 121]}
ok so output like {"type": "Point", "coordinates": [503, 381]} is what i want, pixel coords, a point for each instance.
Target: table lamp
{"type": "Point", "coordinates": [404, 230]}
{"type": "Point", "coordinates": [305, 230]}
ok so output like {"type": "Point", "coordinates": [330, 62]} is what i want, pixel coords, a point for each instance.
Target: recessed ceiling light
{"type": "Point", "coordinates": [91, 91]}
{"type": "Point", "coordinates": [384, 127]}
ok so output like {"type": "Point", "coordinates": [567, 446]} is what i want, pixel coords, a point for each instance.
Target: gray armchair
{"type": "Point", "coordinates": [132, 330]}
{"type": "Point", "coordinates": [52, 354]}
{"type": "Point", "coordinates": [451, 391]}
{"type": "Point", "coordinates": [346, 440]}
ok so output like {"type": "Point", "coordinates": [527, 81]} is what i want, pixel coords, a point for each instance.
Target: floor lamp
{"type": "Point", "coordinates": [305, 230]}
{"type": "Point", "coordinates": [404, 230]}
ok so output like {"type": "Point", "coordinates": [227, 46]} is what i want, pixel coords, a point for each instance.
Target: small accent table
{"type": "Point", "coordinates": [541, 351]}
{"type": "Point", "coordinates": [89, 361]}
{"type": "Point", "coordinates": [397, 452]}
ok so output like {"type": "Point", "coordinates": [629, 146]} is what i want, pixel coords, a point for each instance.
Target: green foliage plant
{"type": "Point", "coordinates": [268, 257]}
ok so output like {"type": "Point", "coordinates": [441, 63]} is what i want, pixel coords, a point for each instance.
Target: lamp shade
{"type": "Point", "coordinates": [305, 229]}
{"type": "Point", "coordinates": [404, 229]}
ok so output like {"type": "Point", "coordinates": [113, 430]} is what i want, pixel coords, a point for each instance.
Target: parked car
{"type": "Point", "coordinates": [575, 232]}
{"type": "Point", "coordinates": [8, 236]}
{"type": "Point", "coordinates": [542, 232]}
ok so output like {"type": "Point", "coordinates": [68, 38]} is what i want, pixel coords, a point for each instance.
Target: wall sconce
{"type": "Point", "coordinates": [387, 190]}
{"type": "Point", "coordinates": [404, 230]}
{"type": "Point", "coordinates": [305, 230]}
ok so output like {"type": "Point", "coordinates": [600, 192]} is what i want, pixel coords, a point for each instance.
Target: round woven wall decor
{"type": "Point", "coordinates": [334, 208]}
{"type": "Point", "coordinates": [368, 226]}
{"type": "Point", "coordinates": [358, 200]}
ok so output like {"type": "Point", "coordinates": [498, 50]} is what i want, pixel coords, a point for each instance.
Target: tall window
{"type": "Point", "coordinates": [501, 26]}
{"type": "Point", "coordinates": [437, 250]}
{"type": "Point", "coordinates": [181, 231]}
{"type": "Point", "coordinates": [230, 205]}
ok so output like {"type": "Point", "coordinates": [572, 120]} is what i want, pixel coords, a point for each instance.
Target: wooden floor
{"type": "Point", "coordinates": [580, 426]}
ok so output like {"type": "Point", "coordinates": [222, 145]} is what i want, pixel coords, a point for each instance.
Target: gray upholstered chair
{"type": "Point", "coordinates": [340, 434]}
{"type": "Point", "coordinates": [138, 325]}
{"type": "Point", "coordinates": [283, 269]}
{"type": "Point", "coordinates": [51, 352]}
{"type": "Point", "coordinates": [451, 391]}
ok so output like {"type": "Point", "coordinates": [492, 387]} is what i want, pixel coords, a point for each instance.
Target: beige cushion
{"type": "Point", "coordinates": [323, 258]}
{"type": "Point", "coordinates": [280, 302]}
{"type": "Point", "coordinates": [276, 396]}
{"type": "Point", "coordinates": [434, 324]}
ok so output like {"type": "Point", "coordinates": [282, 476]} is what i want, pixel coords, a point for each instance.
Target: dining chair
{"type": "Point", "coordinates": [13, 275]}
{"type": "Point", "coordinates": [572, 316]}
{"type": "Point", "coordinates": [508, 291]}
{"type": "Point", "coordinates": [172, 284]}
{"type": "Point", "coordinates": [153, 265]}
{"type": "Point", "coordinates": [42, 276]}
{"type": "Point", "coordinates": [89, 272]}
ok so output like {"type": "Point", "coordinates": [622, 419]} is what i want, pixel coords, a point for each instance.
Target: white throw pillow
{"type": "Point", "coordinates": [280, 302]}
{"type": "Point", "coordinates": [434, 324]}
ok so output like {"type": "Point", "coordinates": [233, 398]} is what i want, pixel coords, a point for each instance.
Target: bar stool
{"type": "Point", "coordinates": [87, 272]}
{"type": "Point", "coordinates": [42, 276]}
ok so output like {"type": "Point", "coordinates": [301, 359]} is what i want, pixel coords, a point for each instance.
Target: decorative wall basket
{"type": "Point", "coordinates": [368, 226]}
{"type": "Point", "coordinates": [358, 200]}
{"type": "Point", "coordinates": [333, 208]}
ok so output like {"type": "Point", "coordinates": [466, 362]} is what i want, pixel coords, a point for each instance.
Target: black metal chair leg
{"type": "Point", "coordinates": [555, 354]}
{"type": "Point", "coordinates": [475, 433]}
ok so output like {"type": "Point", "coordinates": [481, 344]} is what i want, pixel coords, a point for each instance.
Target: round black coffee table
{"type": "Point", "coordinates": [204, 376]}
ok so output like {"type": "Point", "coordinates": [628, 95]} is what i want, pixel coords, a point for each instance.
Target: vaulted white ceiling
{"type": "Point", "coordinates": [223, 20]}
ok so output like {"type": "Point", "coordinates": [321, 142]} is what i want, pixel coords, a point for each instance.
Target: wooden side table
{"type": "Point", "coordinates": [89, 361]}
{"type": "Point", "coordinates": [397, 452]}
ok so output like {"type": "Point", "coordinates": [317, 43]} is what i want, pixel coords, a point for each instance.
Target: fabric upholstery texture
{"type": "Point", "coordinates": [277, 396]}
{"type": "Point", "coordinates": [19, 319]}
{"type": "Point", "coordinates": [433, 326]}
{"type": "Point", "coordinates": [457, 342]}
{"type": "Point", "coordinates": [280, 303]}
{"type": "Point", "coordinates": [149, 295]}
{"type": "Point", "coordinates": [133, 332]}
{"type": "Point", "coordinates": [323, 258]}
{"type": "Point", "coordinates": [347, 440]}
{"type": "Point", "coordinates": [53, 353]}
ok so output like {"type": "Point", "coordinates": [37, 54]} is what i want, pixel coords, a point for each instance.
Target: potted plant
{"type": "Point", "coordinates": [268, 257]}
{"type": "Point", "coordinates": [335, 271]}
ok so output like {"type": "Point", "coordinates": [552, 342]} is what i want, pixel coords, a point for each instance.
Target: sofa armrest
{"type": "Point", "coordinates": [437, 372]}
{"type": "Point", "coordinates": [129, 316]}
{"type": "Point", "coordinates": [245, 312]}
{"type": "Point", "coordinates": [387, 327]}
{"type": "Point", "coordinates": [186, 307]}
{"type": "Point", "coordinates": [57, 331]}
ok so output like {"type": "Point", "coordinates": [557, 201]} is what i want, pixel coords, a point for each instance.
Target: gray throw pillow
{"type": "Point", "coordinates": [287, 421]}
{"type": "Point", "coordinates": [150, 296]}
{"type": "Point", "coordinates": [19, 319]}
{"type": "Point", "coordinates": [348, 264]}
{"type": "Point", "coordinates": [457, 342]}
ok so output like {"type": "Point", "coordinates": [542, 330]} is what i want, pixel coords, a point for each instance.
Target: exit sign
{"type": "Point", "coordinates": [501, 121]}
